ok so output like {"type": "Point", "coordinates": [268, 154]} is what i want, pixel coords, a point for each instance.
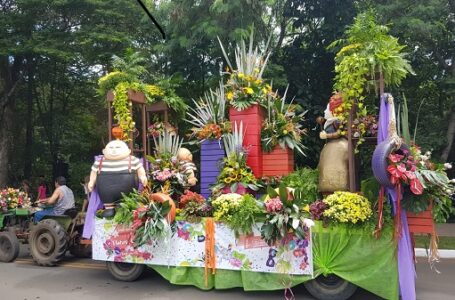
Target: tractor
{"type": "Point", "coordinates": [48, 239]}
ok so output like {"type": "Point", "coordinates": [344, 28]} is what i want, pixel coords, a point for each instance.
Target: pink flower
{"type": "Point", "coordinates": [416, 186]}
{"type": "Point", "coordinates": [395, 157]}
{"type": "Point", "coordinates": [273, 205]}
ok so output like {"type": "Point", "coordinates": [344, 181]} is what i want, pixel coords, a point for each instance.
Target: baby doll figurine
{"type": "Point", "coordinates": [116, 173]}
{"type": "Point", "coordinates": [187, 167]}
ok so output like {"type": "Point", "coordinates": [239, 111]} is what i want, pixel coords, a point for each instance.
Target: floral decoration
{"type": "Point", "coordinates": [346, 207]}
{"type": "Point", "coordinates": [282, 126]}
{"type": "Point", "coordinates": [402, 167]}
{"type": "Point", "coordinates": [11, 198]}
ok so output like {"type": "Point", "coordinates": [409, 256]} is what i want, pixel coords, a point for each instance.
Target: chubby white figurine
{"type": "Point", "coordinates": [187, 167]}
{"type": "Point", "coordinates": [116, 173]}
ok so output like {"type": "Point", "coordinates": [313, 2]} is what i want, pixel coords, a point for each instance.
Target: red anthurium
{"type": "Point", "coordinates": [416, 187]}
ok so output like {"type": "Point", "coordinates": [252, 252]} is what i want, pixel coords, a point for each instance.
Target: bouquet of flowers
{"type": "Point", "coordinates": [209, 116]}
{"type": "Point", "coordinates": [164, 166]}
{"type": "Point", "coordinates": [235, 173]}
{"type": "Point", "coordinates": [366, 126]}
{"type": "Point", "coordinates": [282, 126]}
{"type": "Point", "coordinates": [149, 219]}
{"type": "Point", "coordinates": [436, 187]}
{"type": "Point", "coordinates": [245, 86]}
{"type": "Point", "coordinates": [158, 128]}
{"type": "Point", "coordinates": [282, 216]}
{"type": "Point", "coordinates": [11, 198]}
{"type": "Point", "coordinates": [402, 168]}
{"type": "Point", "coordinates": [346, 207]}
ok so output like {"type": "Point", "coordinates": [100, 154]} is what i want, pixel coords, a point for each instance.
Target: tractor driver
{"type": "Point", "coordinates": [62, 199]}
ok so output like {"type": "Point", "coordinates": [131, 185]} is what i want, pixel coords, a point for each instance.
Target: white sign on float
{"type": "Point", "coordinates": [186, 247]}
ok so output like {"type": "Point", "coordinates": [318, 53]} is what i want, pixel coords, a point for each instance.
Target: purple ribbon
{"type": "Point", "coordinates": [93, 205]}
{"type": "Point", "coordinates": [406, 268]}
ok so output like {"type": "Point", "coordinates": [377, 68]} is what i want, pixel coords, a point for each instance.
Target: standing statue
{"type": "Point", "coordinates": [333, 161]}
{"type": "Point", "coordinates": [115, 173]}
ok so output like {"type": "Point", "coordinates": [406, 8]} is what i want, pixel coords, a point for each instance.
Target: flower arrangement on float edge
{"type": "Point", "coordinates": [235, 172]}
{"type": "Point", "coordinates": [11, 198]}
{"type": "Point", "coordinates": [435, 186]}
{"type": "Point", "coordinates": [147, 218]}
{"type": "Point", "coordinates": [346, 207]}
{"type": "Point", "coordinates": [283, 216]}
{"type": "Point", "coordinates": [237, 211]}
{"type": "Point", "coordinates": [282, 125]}
{"type": "Point", "coordinates": [209, 116]}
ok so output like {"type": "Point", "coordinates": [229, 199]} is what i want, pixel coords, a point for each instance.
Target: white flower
{"type": "Point", "coordinates": [424, 157]}
{"type": "Point", "coordinates": [448, 166]}
{"type": "Point", "coordinates": [308, 223]}
{"type": "Point", "coordinates": [428, 153]}
{"type": "Point", "coordinates": [452, 180]}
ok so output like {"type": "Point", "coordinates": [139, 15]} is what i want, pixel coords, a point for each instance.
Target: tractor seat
{"type": "Point", "coordinates": [71, 212]}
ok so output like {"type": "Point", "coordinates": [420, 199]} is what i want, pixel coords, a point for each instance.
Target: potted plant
{"type": "Point", "coordinates": [281, 134]}
{"type": "Point", "coordinates": [210, 124]}
{"type": "Point", "coordinates": [235, 176]}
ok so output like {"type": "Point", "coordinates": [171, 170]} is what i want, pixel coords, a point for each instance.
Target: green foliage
{"type": "Point", "coordinates": [245, 216]}
{"type": "Point", "coordinates": [305, 182]}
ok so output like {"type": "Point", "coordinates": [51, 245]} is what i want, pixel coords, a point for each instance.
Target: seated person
{"type": "Point", "coordinates": [62, 199]}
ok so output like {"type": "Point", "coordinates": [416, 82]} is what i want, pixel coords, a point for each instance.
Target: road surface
{"type": "Point", "coordinates": [89, 280]}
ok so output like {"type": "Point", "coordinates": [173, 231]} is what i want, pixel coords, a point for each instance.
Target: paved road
{"type": "Point", "coordinates": [89, 280]}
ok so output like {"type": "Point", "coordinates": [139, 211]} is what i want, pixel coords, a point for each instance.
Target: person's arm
{"type": "Point", "coordinates": [52, 199]}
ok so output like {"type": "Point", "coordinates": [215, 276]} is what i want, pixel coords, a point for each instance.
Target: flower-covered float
{"type": "Point", "coordinates": [266, 228]}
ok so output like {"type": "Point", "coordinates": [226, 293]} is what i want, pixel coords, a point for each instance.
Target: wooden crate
{"type": "Point", "coordinates": [252, 119]}
{"type": "Point", "coordinates": [278, 162]}
{"type": "Point", "coordinates": [212, 153]}
{"type": "Point", "coordinates": [422, 222]}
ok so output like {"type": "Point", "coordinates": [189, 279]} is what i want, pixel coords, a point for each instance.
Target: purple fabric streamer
{"type": "Point", "coordinates": [93, 205]}
{"type": "Point", "coordinates": [406, 268]}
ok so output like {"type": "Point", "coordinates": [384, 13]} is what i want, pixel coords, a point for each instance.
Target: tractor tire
{"type": "Point", "coordinates": [9, 246]}
{"type": "Point", "coordinates": [330, 287]}
{"type": "Point", "coordinates": [47, 243]}
{"type": "Point", "coordinates": [125, 271]}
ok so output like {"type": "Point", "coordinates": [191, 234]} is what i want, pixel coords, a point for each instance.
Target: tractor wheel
{"type": "Point", "coordinates": [330, 287]}
{"type": "Point", "coordinates": [47, 242]}
{"type": "Point", "coordinates": [125, 271]}
{"type": "Point", "coordinates": [9, 246]}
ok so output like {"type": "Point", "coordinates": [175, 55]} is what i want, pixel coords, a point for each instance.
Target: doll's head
{"type": "Point", "coordinates": [184, 155]}
{"type": "Point", "coordinates": [116, 150]}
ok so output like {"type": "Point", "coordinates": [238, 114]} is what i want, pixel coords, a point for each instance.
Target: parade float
{"type": "Point", "coordinates": [255, 220]}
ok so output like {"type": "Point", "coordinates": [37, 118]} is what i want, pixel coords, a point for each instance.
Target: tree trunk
{"type": "Point", "coordinates": [450, 134]}
{"type": "Point", "coordinates": [5, 141]}
{"type": "Point", "coordinates": [28, 157]}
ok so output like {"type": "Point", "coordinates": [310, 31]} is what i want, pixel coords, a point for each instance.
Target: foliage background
{"type": "Point", "coordinates": [52, 53]}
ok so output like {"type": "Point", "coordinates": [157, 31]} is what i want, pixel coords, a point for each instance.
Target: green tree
{"type": "Point", "coordinates": [428, 28]}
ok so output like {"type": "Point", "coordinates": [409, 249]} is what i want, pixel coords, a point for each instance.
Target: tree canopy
{"type": "Point", "coordinates": [52, 54]}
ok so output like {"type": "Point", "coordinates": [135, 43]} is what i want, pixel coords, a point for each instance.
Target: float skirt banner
{"type": "Point", "coordinates": [186, 248]}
